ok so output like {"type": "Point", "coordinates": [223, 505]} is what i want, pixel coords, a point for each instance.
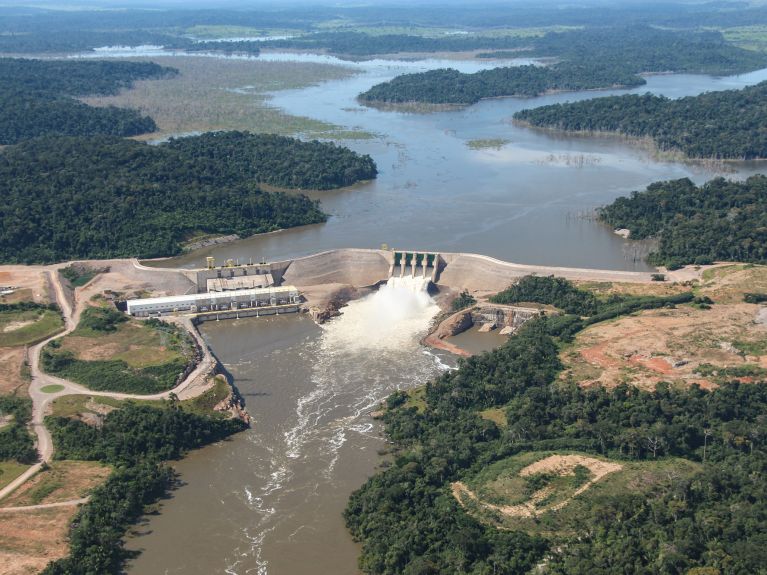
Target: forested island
{"type": "Point", "coordinates": [37, 98]}
{"type": "Point", "coordinates": [689, 497]}
{"type": "Point", "coordinates": [724, 125]}
{"type": "Point", "coordinates": [98, 197]}
{"type": "Point", "coordinates": [586, 59]}
{"type": "Point", "coordinates": [720, 220]}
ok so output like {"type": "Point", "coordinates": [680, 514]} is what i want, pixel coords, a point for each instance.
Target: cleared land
{"type": "Point", "coordinates": [684, 345]}
{"type": "Point", "coordinates": [547, 492]}
{"type": "Point", "coordinates": [31, 283]}
{"type": "Point", "coordinates": [109, 352]}
{"type": "Point", "coordinates": [19, 328]}
{"type": "Point", "coordinates": [31, 539]}
{"type": "Point", "coordinates": [11, 369]}
{"type": "Point", "coordinates": [226, 94]}
{"type": "Point", "coordinates": [62, 481]}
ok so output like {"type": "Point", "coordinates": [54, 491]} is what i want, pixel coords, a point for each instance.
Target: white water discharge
{"type": "Point", "coordinates": [390, 319]}
{"type": "Point", "coordinates": [356, 361]}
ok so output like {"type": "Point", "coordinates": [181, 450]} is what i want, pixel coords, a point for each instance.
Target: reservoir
{"type": "Point", "coordinates": [528, 200]}
{"type": "Point", "coordinates": [269, 501]}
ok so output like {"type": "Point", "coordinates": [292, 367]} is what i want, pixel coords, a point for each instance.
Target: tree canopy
{"type": "Point", "coordinates": [409, 522]}
{"type": "Point", "coordinates": [37, 98]}
{"type": "Point", "coordinates": [726, 124]}
{"type": "Point", "coordinates": [100, 197]}
{"type": "Point", "coordinates": [587, 59]}
{"type": "Point", "coordinates": [720, 220]}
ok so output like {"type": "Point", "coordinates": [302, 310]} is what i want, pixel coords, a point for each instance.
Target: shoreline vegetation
{"type": "Point", "coordinates": [207, 183]}
{"type": "Point", "coordinates": [508, 406]}
{"type": "Point", "coordinates": [716, 125]}
{"type": "Point", "coordinates": [586, 59]}
{"type": "Point", "coordinates": [719, 220]}
{"type": "Point", "coordinates": [212, 94]}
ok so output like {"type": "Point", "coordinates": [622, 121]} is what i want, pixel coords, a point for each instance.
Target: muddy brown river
{"type": "Point", "coordinates": [269, 501]}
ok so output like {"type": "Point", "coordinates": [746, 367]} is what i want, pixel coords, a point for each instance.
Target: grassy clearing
{"type": "Point", "coordinates": [10, 470]}
{"type": "Point", "coordinates": [220, 94]}
{"type": "Point", "coordinates": [203, 404]}
{"type": "Point", "coordinates": [109, 352]}
{"type": "Point", "coordinates": [88, 406]}
{"type": "Point", "coordinates": [133, 342]}
{"type": "Point", "coordinates": [747, 37]}
{"type": "Point", "coordinates": [214, 32]}
{"type": "Point", "coordinates": [496, 415]}
{"type": "Point", "coordinates": [27, 327]}
{"type": "Point", "coordinates": [53, 388]}
{"type": "Point", "coordinates": [553, 492]}
{"type": "Point", "coordinates": [416, 398]}
{"type": "Point", "coordinates": [60, 481]}
{"type": "Point", "coordinates": [487, 144]}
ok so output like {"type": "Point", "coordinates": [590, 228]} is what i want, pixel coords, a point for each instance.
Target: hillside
{"type": "Point", "coordinates": [727, 124]}
{"type": "Point", "coordinates": [581, 479]}
{"type": "Point", "coordinates": [101, 197]}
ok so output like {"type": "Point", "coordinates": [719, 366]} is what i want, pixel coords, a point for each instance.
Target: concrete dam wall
{"type": "Point", "coordinates": [368, 267]}
{"type": "Point", "coordinates": [356, 267]}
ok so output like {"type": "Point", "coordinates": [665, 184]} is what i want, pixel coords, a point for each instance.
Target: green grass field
{"type": "Point", "coordinates": [53, 388]}
{"type": "Point", "coordinates": [28, 327]}
{"type": "Point", "coordinates": [10, 470]}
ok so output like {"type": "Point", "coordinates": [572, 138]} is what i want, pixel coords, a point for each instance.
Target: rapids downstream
{"type": "Point", "coordinates": [270, 500]}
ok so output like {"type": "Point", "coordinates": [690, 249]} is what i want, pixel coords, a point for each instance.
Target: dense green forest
{"type": "Point", "coordinates": [278, 160]}
{"type": "Point", "coordinates": [32, 29]}
{"type": "Point", "coordinates": [100, 197]}
{"type": "Point", "coordinates": [15, 440]}
{"type": "Point", "coordinates": [36, 98]}
{"type": "Point", "coordinates": [726, 124]}
{"type": "Point", "coordinates": [587, 59]}
{"type": "Point", "coordinates": [409, 522]}
{"type": "Point", "coordinates": [136, 440]}
{"type": "Point", "coordinates": [720, 220]}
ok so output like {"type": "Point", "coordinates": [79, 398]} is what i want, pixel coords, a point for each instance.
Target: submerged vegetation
{"type": "Point", "coordinates": [709, 507]}
{"type": "Point", "coordinates": [720, 220]}
{"type": "Point", "coordinates": [102, 197]}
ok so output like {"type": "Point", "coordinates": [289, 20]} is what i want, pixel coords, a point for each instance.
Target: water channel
{"type": "Point", "coordinates": [269, 501]}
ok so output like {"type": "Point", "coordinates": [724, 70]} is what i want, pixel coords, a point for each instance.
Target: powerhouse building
{"type": "Point", "coordinates": [215, 301]}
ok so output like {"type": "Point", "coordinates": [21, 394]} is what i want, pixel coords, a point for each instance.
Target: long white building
{"type": "Point", "coordinates": [215, 301]}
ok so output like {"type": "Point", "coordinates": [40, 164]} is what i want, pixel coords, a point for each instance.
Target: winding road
{"type": "Point", "coordinates": [190, 387]}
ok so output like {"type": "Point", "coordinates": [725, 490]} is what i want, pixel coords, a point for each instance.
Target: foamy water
{"type": "Point", "coordinates": [390, 319]}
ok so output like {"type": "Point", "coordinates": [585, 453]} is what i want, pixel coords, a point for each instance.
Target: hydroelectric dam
{"type": "Point", "coordinates": [236, 290]}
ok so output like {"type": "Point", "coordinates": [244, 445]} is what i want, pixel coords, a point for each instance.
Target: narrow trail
{"type": "Point", "coordinates": [70, 503]}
